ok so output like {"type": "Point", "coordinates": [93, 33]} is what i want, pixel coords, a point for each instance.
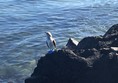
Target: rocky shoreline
{"type": "Point", "coordinates": [92, 60]}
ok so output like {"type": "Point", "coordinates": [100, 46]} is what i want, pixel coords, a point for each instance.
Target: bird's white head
{"type": "Point", "coordinates": [48, 34]}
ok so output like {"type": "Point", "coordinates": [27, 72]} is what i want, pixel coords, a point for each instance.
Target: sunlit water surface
{"type": "Point", "coordinates": [23, 24]}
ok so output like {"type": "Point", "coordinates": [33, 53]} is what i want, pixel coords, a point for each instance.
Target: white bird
{"type": "Point", "coordinates": [51, 43]}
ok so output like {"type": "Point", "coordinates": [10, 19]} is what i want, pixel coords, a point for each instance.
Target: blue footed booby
{"type": "Point", "coordinates": [51, 43]}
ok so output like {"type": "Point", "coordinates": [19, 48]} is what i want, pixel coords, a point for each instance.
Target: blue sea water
{"type": "Point", "coordinates": [23, 24]}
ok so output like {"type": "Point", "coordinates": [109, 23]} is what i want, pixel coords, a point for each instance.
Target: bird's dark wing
{"type": "Point", "coordinates": [54, 42]}
{"type": "Point", "coordinates": [47, 44]}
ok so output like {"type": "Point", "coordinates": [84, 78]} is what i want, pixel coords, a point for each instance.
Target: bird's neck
{"type": "Point", "coordinates": [49, 37]}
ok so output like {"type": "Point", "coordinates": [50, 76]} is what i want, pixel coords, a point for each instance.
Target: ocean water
{"type": "Point", "coordinates": [23, 24]}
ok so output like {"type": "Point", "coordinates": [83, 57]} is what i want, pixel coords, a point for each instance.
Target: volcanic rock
{"type": "Point", "coordinates": [93, 60]}
{"type": "Point", "coordinates": [72, 43]}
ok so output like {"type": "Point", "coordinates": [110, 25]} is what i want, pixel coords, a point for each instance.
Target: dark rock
{"type": "Point", "coordinates": [112, 31]}
{"type": "Point", "coordinates": [110, 39]}
{"type": "Point", "coordinates": [114, 43]}
{"type": "Point", "coordinates": [112, 36]}
{"type": "Point", "coordinates": [93, 60]}
{"type": "Point", "coordinates": [62, 66]}
{"type": "Point", "coordinates": [72, 44]}
{"type": "Point", "coordinates": [105, 70]}
{"type": "Point", "coordinates": [87, 52]}
{"type": "Point", "coordinates": [89, 43]}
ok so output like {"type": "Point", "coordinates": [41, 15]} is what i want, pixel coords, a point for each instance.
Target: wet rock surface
{"type": "Point", "coordinates": [93, 60]}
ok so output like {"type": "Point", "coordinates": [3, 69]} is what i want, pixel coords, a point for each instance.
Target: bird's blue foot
{"type": "Point", "coordinates": [51, 51]}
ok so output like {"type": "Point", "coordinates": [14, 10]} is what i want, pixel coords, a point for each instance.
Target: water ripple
{"type": "Point", "coordinates": [24, 23]}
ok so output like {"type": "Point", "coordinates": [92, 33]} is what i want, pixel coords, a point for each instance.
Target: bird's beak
{"type": "Point", "coordinates": [46, 33]}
